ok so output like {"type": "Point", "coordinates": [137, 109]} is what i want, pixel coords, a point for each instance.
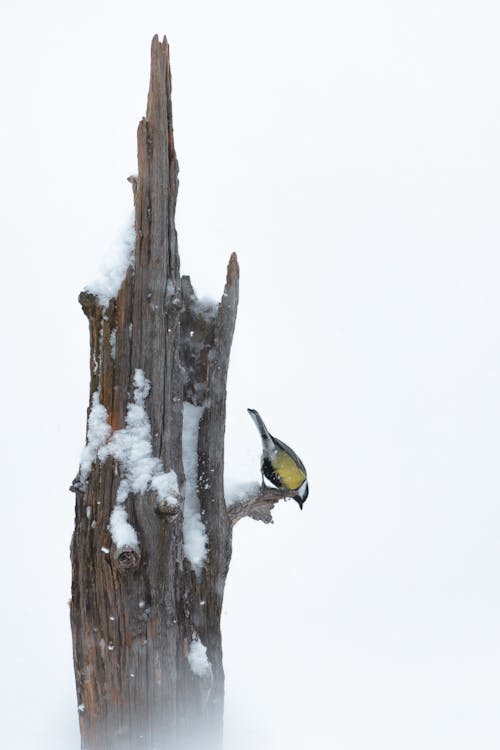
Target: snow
{"type": "Point", "coordinates": [206, 307]}
{"type": "Point", "coordinates": [115, 267]}
{"type": "Point", "coordinates": [236, 491]}
{"type": "Point", "coordinates": [122, 533]}
{"type": "Point", "coordinates": [112, 343]}
{"type": "Point", "coordinates": [198, 659]}
{"type": "Point", "coordinates": [140, 470]}
{"type": "Point", "coordinates": [166, 485]}
{"type": "Point", "coordinates": [98, 431]}
{"type": "Point", "coordinates": [132, 447]}
{"type": "Point", "coordinates": [195, 538]}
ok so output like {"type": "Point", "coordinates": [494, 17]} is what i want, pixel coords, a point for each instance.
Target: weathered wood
{"type": "Point", "coordinates": [258, 507]}
{"type": "Point", "coordinates": [211, 484]}
{"type": "Point", "coordinates": [137, 607]}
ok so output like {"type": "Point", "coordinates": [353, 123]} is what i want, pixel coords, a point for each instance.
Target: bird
{"type": "Point", "coordinates": [280, 464]}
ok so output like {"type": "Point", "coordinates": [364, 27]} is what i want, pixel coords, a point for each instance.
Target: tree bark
{"type": "Point", "coordinates": [137, 609]}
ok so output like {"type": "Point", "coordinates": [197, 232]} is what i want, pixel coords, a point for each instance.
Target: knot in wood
{"type": "Point", "coordinates": [167, 510]}
{"type": "Point", "coordinates": [126, 558]}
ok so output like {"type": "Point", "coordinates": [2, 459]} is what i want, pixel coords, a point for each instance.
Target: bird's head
{"type": "Point", "coordinates": [302, 494]}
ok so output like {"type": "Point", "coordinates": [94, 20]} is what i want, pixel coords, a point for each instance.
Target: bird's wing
{"type": "Point", "coordinates": [291, 453]}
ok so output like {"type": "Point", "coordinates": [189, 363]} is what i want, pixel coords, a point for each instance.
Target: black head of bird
{"type": "Point", "coordinates": [280, 464]}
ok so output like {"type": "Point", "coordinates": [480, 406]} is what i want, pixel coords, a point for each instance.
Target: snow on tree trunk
{"type": "Point", "coordinates": [152, 540]}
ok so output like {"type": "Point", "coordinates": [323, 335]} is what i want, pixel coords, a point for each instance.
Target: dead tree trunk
{"type": "Point", "coordinates": [152, 540]}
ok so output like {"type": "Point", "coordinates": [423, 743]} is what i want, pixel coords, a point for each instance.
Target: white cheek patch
{"type": "Point", "coordinates": [302, 490]}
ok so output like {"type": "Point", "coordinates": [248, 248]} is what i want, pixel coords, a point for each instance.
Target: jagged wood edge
{"type": "Point", "coordinates": [258, 507]}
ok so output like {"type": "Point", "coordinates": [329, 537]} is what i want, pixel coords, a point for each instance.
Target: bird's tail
{"type": "Point", "coordinates": [260, 425]}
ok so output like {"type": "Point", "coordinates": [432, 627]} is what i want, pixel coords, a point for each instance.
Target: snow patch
{"type": "Point", "coordinates": [166, 486]}
{"type": "Point", "coordinates": [133, 449]}
{"type": "Point", "coordinates": [122, 532]}
{"type": "Point", "coordinates": [195, 537]}
{"type": "Point", "coordinates": [236, 491]}
{"type": "Point", "coordinates": [115, 267]}
{"type": "Point", "coordinates": [98, 431]}
{"type": "Point", "coordinates": [140, 470]}
{"type": "Point", "coordinates": [112, 343]}
{"type": "Point", "coordinates": [206, 307]}
{"type": "Point", "coordinates": [198, 659]}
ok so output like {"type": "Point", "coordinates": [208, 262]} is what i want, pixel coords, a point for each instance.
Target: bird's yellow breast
{"type": "Point", "coordinates": [290, 474]}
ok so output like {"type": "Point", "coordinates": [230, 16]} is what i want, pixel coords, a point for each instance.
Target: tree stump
{"type": "Point", "coordinates": [152, 540]}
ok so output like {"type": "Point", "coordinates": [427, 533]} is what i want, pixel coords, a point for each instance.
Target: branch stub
{"type": "Point", "coordinates": [126, 558]}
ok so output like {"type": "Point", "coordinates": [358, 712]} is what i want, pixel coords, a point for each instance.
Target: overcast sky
{"type": "Point", "coordinates": [350, 153]}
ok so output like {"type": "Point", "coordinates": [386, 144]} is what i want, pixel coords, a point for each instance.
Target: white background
{"type": "Point", "coordinates": [350, 153]}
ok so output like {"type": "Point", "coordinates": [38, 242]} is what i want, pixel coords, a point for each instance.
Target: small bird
{"type": "Point", "coordinates": [279, 464]}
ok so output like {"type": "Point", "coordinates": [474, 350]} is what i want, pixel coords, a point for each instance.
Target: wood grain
{"type": "Point", "coordinates": [134, 612]}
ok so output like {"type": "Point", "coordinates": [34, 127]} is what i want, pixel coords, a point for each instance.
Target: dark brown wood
{"type": "Point", "coordinates": [137, 608]}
